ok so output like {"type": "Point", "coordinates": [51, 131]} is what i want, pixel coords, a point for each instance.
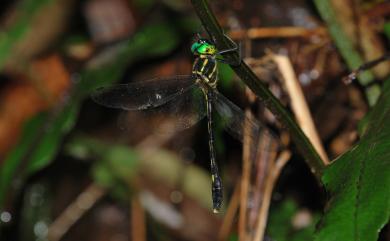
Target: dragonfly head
{"type": "Point", "coordinates": [203, 47]}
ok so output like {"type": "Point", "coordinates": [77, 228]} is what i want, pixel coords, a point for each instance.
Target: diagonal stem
{"type": "Point", "coordinates": [211, 25]}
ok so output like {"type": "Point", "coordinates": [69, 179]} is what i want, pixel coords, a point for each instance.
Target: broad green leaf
{"type": "Point", "coordinates": [42, 138]}
{"type": "Point", "coordinates": [358, 183]}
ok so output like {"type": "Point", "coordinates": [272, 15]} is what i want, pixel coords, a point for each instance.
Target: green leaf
{"type": "Point", "coordinates": [233, 237]}
{"type": "Point", "coordinates": [279, 222]}
{"type": "Point", "coordinates": [359, 183]}
{"type": "Point", "coordinates": [109, 65]}
{"type": "Point", "coordinates": [144, 5]}
{"type": "Point", "coordinates": [49, 144]}
{"type": "Point", "coordinates": [386, 30]}
{"type": "Point", "coordinates": [15, 158]}
{"type": "Point", "coordinates": [116, 169]}
{"type": "Point", "coordinates": [26, 11]}
{"type": "Point", "coordinates": [39, 144]}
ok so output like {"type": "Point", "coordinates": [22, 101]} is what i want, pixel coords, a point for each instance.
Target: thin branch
{"type": "Point", "coordinates": [245, 181]}
{"type": "Point", "coordinates": [228, 219]}
{"type": "Point", "coordinates": [298, 103]}
{"type": "Point", "coordinates": [275, 170]}
{"type": "Point", "coordinates": [250, 79]}
{"type": "Point", "coordinates": [278, 32]}
{"type": "Point", "coordinates": [138, 224]}
{"type": "Point", "coordinates": [84, 202]}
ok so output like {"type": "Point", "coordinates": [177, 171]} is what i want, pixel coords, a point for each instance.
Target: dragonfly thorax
{"type": "Point", "coordinates": [205, 69]}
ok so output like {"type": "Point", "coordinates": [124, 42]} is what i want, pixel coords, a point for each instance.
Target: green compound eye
{"type": "Point", "coordinates": [203, 47]}
{"type": "Point", "coordinates": [195, 47]}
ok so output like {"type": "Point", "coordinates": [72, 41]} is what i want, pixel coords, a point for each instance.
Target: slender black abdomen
{"type": "Point", "coordinates": [216, 182]}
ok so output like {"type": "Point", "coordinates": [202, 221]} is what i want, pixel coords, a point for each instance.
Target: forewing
{"type": "Point", "coordinates": [178, 113]}
{"type": "Point", "coordinates": [144, 94]}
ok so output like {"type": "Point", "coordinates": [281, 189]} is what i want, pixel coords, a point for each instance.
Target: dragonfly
{"type": "Point", "coordinates": [188, 98]}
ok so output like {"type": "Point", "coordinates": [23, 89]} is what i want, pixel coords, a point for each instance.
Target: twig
{"type": "Point", "coordinates": [75, 211]}
{"type": "Point", "coordinates": [277, 32]}
{"type": "Point", "coordinates": [243, 71]}
{"type": "Point", "coordinates": [230, 214]}
{"type": "Point", "coordinates": [138, 229]}
{"type": "Point", "coordinates": [264, 160]}
{"type": "Point", "coordinates": [246, 163]}
{"type": "Point", "coordinates": [269, 185]}
{"type": "Point", "coordinates": [298, 104]}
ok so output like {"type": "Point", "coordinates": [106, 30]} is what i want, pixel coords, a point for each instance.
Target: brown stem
{"type": "Point", "coordinates": [269, 186]}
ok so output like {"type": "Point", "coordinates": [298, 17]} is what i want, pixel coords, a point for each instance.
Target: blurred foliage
{"type": "Point", "coordinates": [280, 225]}
{"type": "Point", "coordinates": [117, 166]}
{"type": "Point", "coordinates": [226, 76]}
{"type": "Point", "coordinates": [26, 11]}
{"type": "Point", "coordinates": [233, 237]}
{"type": "Point", "coordinates": [42, 137]}
{"type": "Point", "coordinates": [346, 47]}
{"type": "Point", "coordinates": [36, 212]}
{"type": "Point", "coordinates": [386, 30]}
{"type": "Point", "coordinates": [144, 5]}
{"type": "Point", "coordinates": [358, 182]}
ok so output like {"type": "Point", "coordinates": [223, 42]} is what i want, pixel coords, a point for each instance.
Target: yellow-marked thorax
{"type": "Point", "coordinates": [205, 67]}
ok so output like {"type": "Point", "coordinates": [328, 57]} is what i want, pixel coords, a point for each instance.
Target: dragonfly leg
{"type": "Point", "coordinates": [236, 48]}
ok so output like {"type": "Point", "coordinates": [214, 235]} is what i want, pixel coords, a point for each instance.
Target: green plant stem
{"type": "Point", "coordinates": [250, 79]}
{"type": "Point", "coordinates": [344, 44]}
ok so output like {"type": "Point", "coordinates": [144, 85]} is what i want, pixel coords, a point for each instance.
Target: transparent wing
{"type": "Point", "coordinates": [144, 94]}
{"type": "Point", "coordinates": [235, 120]}
{"type": "Point", "coordinates": [178, 112]}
